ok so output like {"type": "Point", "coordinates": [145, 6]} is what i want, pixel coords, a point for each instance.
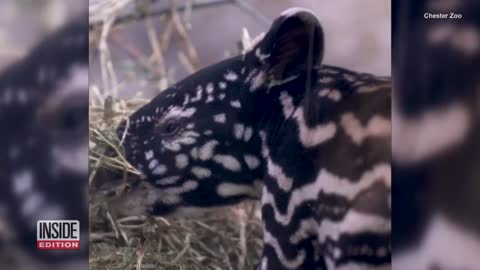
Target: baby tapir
{"type": "Point", "coordinates": [44, 142]}
{"type": "Point", "coordinates": [316, 136]}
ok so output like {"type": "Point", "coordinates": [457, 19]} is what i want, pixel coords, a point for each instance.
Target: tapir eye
{"type": "Point", "coordinates": [71, 119]}
{"type": "Point", "coordinates": [169, 127]}
{"type": "Point", "coordinates": [65, 117]}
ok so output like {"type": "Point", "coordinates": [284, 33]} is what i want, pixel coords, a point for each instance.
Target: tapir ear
{"type": "Point", "coordinates": [293, 44]}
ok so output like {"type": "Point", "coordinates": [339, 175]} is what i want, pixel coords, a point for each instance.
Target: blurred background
{"type": "Point", "coordinates": [436, 150]}
{"type": "Point", "coordinates": [357, 36]}
{"type": "Point", "coordinates": [43, 128]}
{"type": "Point", "coordinates": [24, 23]}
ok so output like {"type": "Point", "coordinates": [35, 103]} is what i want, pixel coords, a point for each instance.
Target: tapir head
{"type": "Point", "coordinates": [198, 143]}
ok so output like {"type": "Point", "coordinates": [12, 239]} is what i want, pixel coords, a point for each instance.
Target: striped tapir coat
{"type": "Point", "coordinates": [316, 136]}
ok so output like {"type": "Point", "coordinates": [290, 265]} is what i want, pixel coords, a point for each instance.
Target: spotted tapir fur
{"type": "Point", "coordinates": [316, 136]}
{"type": "Point", "coordinates": [44, 142]}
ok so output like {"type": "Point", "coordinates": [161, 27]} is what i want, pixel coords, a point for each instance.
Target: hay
{"type": "Point", "coordinates": [228, 238]}
{"type": "Point", "coordinates": [212, 242]}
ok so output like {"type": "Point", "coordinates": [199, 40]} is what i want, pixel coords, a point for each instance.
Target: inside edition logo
{"type": "Point", "coordinates": [58, 234]}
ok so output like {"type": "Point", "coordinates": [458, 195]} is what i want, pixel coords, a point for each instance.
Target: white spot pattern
{"type": "Point", "coordinates": [149, 154]}
{"type": "Point", "coordinates": [201, 172]}
{"type": "Point", "coordinates": [205, 152]}
{"type": "Point", "coordinates": [228, 162]}
{"type": "Point", "coordinates": [248, 134]}
{"type": "Point", "coordinates": [198, 96]}
{"type": "Point", "coordinates": [168, 180]}
{"type": "Point", "coordinates": [210, 98]}
{"type": "Point", "coordinates": [179, 112]}
{"type": "Point", "coordinates": [235, 104]}
{"type": "Point", "coordinates": [238, 130]}
{"type": "Point", "coordinates": [252, 161]}
{"type": "Point", "coordinates": [209, 88]}
{"type": "Point", "coordinates": [181, 161]}
{"type": "Point", "coordinates": [231, 76]}
{"type": "Point", "coordinates": [231, 189]}
{"type": "Point", "coordinates": [220, 118]}
{"type": "Point", "coordinates": [153, 163]}
{"type": "Point", "coordinates": [194, 153]}
{"type": "Point", "coordinates": [160, 169]}
{"type": "Point", "coordinates": [257, 80]}
{"type": "Point", "coordinates": [22, 182]}
{"type": "Point", "coordinates": [31, 203]}
{"type": "Point", "coordinates": [222, 85]}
